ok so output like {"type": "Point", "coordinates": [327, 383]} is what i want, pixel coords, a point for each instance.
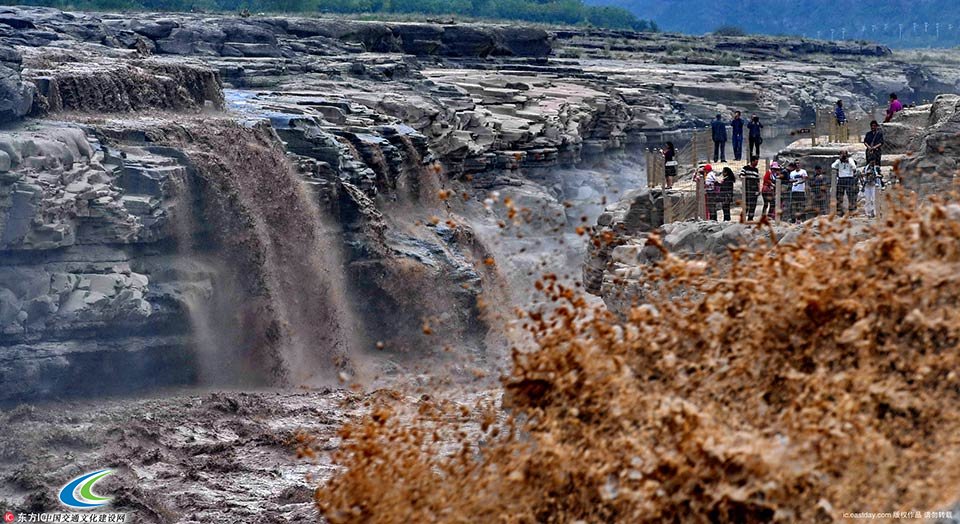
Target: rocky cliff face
{"type": "Point", "coordinates": [16, 96]}
{"type": "Point", "coordinates": [631, 234]}
{"type": "Point", "coordinates": [195, 198]}
{"type": "Point", "coordinates": [229, 36]}
{"type": "Point", "coordinates": [79, 221]}
{"type": "Point", "coordinates": [928, 135]}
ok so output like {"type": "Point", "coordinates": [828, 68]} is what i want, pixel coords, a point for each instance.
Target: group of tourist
{"type": "Point", "coordinates": [802, 194]}
{"type": "Point", "coordinates": [718, 131]}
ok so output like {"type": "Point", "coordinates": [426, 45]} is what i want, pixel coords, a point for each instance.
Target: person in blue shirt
{"type": "Point", "coordinates": [719, 131]}
{"type": "Point", "coordinates": [754, 138]}
{"type": "Point", "coordinates": [737, 126]}
{"type": "Point", "coordinates": [839, 113]}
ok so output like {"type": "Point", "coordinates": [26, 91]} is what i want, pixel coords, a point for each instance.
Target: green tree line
{"type": "Point", "coordinates": [572, 12]}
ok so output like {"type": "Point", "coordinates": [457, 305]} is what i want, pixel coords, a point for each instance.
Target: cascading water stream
{"type": "Point", "coordinates": [287, 307]}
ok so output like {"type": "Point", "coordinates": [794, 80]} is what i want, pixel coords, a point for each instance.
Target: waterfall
{"type": "Point", "coordinates": [422, 183]}
{"type": "Point", "coordinates": [278, 302]}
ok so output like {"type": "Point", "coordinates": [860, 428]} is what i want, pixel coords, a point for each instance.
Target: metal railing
{"type": "Point", "coordinates": [820, 195]}
{"type": "Point", "coordinates": [698, 148]}
{"type": "Point", "coordinates": [825, 125]}
{"type": "Point", "coordinates": [708, 200]}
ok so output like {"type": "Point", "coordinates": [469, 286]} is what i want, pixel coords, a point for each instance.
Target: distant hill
{"type": "Point", "coordinates": [568, 12]}
{"type": "Point", "coordinates": [897, 23]}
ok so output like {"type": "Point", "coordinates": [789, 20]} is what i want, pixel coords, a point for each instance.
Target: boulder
{"type": "Point", "coordinates": [16, 96]}
{"type": "Point", "coordinates": [933, 165]}
{"type": "Point", "coordinates": [9, 308]}
{"type": "Point", "coordinates": [899, 137]}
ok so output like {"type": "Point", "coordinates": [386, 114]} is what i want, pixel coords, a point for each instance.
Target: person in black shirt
{"type": "Point", "coordinates": [718, 130]}
{"type": "Point", "coordinates": [786, 192]}
{"type": "Point", "coordinates": [726, 192]}
{"type": "Point", "coordinates": [670, 164]}
{"type": "Point", "coordinates": [754, 138]}
{"type": "Point", "coordinates": [874, 142]}
{"type": "Point", "coordinates": [818, 188]}
{"type": "Point", "coordinates": [736, 126]}
{"type": "Point", "coordinates": [751, 186]}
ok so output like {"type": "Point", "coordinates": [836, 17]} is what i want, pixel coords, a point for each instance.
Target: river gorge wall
{"type": "Point", "coordinates": [192, 198]}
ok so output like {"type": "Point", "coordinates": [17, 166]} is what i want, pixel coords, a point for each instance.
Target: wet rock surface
{"type": "Point", "coordinates": [191, 457]}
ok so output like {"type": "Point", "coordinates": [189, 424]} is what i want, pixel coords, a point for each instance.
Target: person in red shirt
{"type": "Point", "coordinates": [895, 107]}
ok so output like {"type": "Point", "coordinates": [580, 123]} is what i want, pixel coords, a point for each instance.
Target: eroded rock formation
{"type": "Point", "coordinates": [183, 164]}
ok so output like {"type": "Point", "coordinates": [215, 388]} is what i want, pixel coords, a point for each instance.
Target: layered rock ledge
{"type": "Point", "coordinates": [414, 152]}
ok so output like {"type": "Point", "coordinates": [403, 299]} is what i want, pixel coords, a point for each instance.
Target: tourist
{"type": "Point", "coordinates": [754, 139]}
{"type": "Point", "coordinates": [894, 108]}
{"type": "Point", "coordinates": [786, 191]}
{"type": "Point", "coordinates": [736, 126]}
{"type": "Point", "coordinates": [751, 186]}
{"type": "Point", "coordinates": [874, 142]}
{"type": "Point", "coordinates": [727, 180]}
{"type": "Point", "coordinates": [798, 192]}
{"type": "Point", "coordinates": [846, 170]}
{"type": "Point", "coordinates": [711, 186]}
{"type": "Point", "coordinates": [669, 164]}
{"type": "Point", "coordinates": [840, 114]}
{"type": "Point", "coordinates": [870, 178]}
{"type": "Point", "coordinates": [819, 186]}
{"type": "Point", "coordinates": [719, 131]}
{"type": "Point", "coordinates": [768, 190]}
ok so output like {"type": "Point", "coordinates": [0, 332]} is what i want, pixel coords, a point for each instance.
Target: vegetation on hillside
{"type": "Point", "coordinates": [573, 12]}
{"type": "Point", "coordinates": [729, 30]}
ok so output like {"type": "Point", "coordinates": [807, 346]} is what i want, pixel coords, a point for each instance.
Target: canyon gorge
{"type": "Point", "coordinates": [300, 205]}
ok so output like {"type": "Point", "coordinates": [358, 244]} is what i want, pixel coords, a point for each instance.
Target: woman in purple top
{"type": "Point", "coordinates": [895, 106]}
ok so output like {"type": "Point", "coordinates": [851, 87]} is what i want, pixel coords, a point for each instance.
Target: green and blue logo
{"type": "Point", "coordinates": [78, 493]}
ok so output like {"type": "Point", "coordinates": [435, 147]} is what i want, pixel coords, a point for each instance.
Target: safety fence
{"type": "Point", "coordinates": [783, 200]}
{"type": "Point", "coordinates": [826, 126]}
{"type": "Point", "coordinates": [746, 198]}
{"type": "Point", "coordinates": [687, 157]}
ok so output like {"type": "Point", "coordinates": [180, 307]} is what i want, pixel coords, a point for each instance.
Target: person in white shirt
{"type": "Point", "coordinates": [798, 192]}
{"type": "Point", "coordinates": [846, 170]}
{"type": "Point", "coordinates": [711, 183]}
{"type": "Point", "coordinates": [871, 178]}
